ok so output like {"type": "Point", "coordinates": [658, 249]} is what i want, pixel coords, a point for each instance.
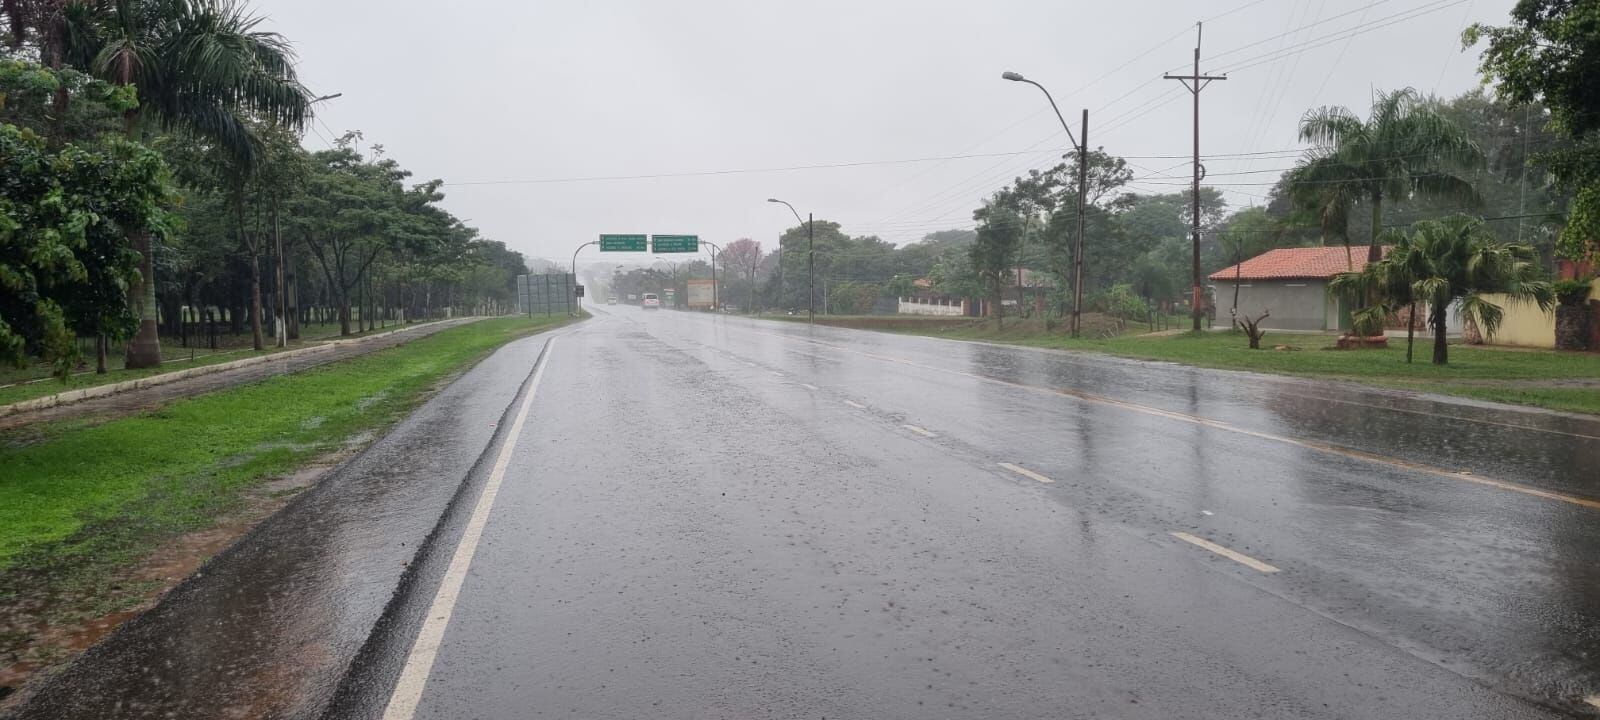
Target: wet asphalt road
{"type": "Point", "coordinates": [710, 517]}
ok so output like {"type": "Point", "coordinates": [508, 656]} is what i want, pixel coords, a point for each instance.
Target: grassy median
{"type": "Point", "coordinates": [1567, 381]}
{"type": "Point", "coordinates": [74, 495]}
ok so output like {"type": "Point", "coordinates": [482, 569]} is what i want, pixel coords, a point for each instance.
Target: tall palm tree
{"type": "Point", "coordinates": [201, 67]}
{"type": "Point", "coordinates": [1453, 260]}
{"type": "Point", "coordinates": [1403, 148]}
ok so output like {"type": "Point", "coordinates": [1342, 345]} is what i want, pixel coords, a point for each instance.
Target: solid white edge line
{"type": "Point", "coordinates": [1233, 555]}
{"type": "Point", "coordinates": [1018, 469]}
{"type": "Point", "coordinates": [425, 649]}
{"type": "Point", "coordinates": [920, 431]}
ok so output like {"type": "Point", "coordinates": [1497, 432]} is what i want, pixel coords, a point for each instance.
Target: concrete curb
{"type": "Point", "coordinates": [75, 396]}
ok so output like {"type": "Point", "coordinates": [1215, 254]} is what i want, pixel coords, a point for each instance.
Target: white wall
{"type": "Point", "coordinates": [912, 306]}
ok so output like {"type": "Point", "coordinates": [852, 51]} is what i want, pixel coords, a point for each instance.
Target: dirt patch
{"type": "Point", "coordinates": [44, 626]}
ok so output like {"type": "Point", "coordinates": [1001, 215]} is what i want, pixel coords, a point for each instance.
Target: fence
{"type": "Point", "coordinates": [924, 306]}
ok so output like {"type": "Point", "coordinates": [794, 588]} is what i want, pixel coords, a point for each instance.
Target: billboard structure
{"type": "Point", "coordinates": [546, 294]}
{"type": "Point", "coordinates": [702, 294]}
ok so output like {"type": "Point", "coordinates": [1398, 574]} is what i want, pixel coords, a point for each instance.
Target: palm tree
{"type": "Point", "coordinates": [1389, 282]}
{"type": "Point", "coordinates": [1404, 148]}
{"type": "Point", "coordinates": [200, 67]}
{"type": "Point", "coordinates": [1443, 262]}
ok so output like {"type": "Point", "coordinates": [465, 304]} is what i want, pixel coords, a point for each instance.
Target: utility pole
{"type": "Point", "coordinates": [811, 269]}
{"type": "Point", "coordinates": [1195, 83]}
{"type": "Point", "coordinates": [1083, 191]}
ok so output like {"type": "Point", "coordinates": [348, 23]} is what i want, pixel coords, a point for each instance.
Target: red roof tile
{"type": "Point", "coordinates": [1311, 263]}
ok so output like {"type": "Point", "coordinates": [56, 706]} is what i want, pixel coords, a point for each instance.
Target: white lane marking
{"type": "Point", "coordinates": [775, 373]}
{"type": "Point", "coordinates": [808, 386]}
{"type": "Point", "coordinates": [1580, 500]}
{"type": "Point", "coordinates": [419, 663]}
{"type": "Point", "coordinates": [920, 431]}
{"type": "Point", "coordinates": [855, 404]}
{"type": "Point", "coordinates": [1018, 469]}
{"type": "Point", "coordinates": [1207, 513]}
{"type": "Point", "coordinates": [1235, 556]}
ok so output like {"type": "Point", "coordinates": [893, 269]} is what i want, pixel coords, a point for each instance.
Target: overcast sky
{"type": "Point", "coordinates": [487, 93]}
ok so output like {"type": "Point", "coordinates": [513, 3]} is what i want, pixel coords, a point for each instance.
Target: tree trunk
{"type": "Point", "coordinates": [144, 348]}
{"type": "Point", "coordinates": [257, 340]}
{"type": "Point", "coordinates": [1441, 349]}
{"type": "Point", "coordinates": [1411, 329]}
{"type": "Point", "coordinates": [1375, 249]}
{"type": "Point", "coordinates": [100, 344]}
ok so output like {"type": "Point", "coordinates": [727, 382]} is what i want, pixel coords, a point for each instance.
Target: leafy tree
{"type": "Point", "coordinates": [992, 253]}
{"type": "Point", "coordinates": [62, 267]}
{"type": "Point", "coordinates": [1403, 149]}
{"type": "Point", "coordinates": [1445, 261]}
{"type": "Point", "coordinates": [1551, 53]}
{"type": "Point", "coordinates": [744, 256]}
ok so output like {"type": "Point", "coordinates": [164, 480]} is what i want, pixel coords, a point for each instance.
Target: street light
{"type": "Point", "coordinates": [811, 261]}
{"type": "Point", "coordinates": [1083, 190]}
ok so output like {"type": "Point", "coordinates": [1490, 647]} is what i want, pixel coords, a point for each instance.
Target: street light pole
{"type": "Point", "coordinates": [1081, 145]}
{"type": "Point", "coordinates": [575, 296]}
{"type": "Point", "coordinates": [716, 304]}
{"type": "Point", "coordinates": [811, 260]}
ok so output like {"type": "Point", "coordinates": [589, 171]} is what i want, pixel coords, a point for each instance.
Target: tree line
{"type": "Point", "coordinates": [155, 183]}
{"type": "Point", "coordinates": [1410, 159]}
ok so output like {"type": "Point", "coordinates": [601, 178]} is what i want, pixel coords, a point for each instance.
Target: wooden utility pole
{"type": "Point", "coordinates": [1195, 83]}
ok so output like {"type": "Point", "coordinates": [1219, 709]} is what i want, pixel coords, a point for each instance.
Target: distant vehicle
{"type": "Point", "coordinates": [651, 302]}
{"type": "Point", "coordinates": [611, 300]}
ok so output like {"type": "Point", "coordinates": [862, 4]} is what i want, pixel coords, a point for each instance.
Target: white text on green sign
{"type": "Point", "coordinates": [623, 243]}
{"type": "Point", "coordinates": [675, 243]}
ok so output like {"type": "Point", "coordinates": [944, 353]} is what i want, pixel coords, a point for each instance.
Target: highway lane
{"type": "Point", "coordinates": [716, 517]}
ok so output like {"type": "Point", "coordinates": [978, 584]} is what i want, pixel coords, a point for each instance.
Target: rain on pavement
{"type": "Point", "coordinates": [686, 515]}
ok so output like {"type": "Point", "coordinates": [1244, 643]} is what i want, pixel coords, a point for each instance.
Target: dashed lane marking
{"type": "Point", "coordinates": [855, 404]}
{"type": "Point", "coordinates": [920, 431]}
{"type": "Point", "coordinates": [1579, 500]}
{"type": "Point", "coordinates": [1018, 469]}
{"type": "Point", "coordinates": [808, 386]}
{"type": "Point", "coordinates": [419, 663]}
{"type": "Point", "coordinates": [1233, 555]}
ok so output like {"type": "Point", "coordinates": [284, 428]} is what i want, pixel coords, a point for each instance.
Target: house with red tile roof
{"type": "Point", "coordinates": [1291, 284]}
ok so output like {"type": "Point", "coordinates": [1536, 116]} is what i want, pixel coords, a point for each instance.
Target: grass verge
{"type": "Point", "coordinates": [34, 381]}
{"type": "Point", "coordinates": [1543, 378]}
{"type": "Point", "coordinates": [78, 497]}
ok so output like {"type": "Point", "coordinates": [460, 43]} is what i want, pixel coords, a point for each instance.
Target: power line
{"type": "Point", "coordinates": [1378, 24]}
{"type": "Point", "coordinates": [739, 171]}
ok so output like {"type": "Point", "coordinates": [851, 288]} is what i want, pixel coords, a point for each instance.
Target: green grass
{"type": "Point", "coordinates": [75, 494]}
{"type": "Point", "coordinates": [1528, 377]}
{"type": "Point", "coordinates": [15, 385]}
{"type": "Point", "coordinates": [173, 362]}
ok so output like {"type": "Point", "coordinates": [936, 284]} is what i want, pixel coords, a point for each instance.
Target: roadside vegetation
{"type": "Point", "coordinates": [81, 503]}
{"type": "Point", "coordinates": [1557, 381]}
{"type": "Point", "coordinates": [159, 195]}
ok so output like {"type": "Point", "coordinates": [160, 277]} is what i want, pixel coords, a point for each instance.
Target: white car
{"type": "Point", "coordinates": [650, 302]}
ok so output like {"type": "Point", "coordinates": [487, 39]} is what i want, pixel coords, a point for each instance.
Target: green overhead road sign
{"type": "Point", "coordinates": [675, 243]}
{"type": "Point", "coordinates": [623, 243]}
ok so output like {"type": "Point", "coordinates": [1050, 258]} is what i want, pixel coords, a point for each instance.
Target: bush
{"type": "Point", "coordinates": [1573, 293]}
{"type": "Point", "coordinates": [1120, 302]}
